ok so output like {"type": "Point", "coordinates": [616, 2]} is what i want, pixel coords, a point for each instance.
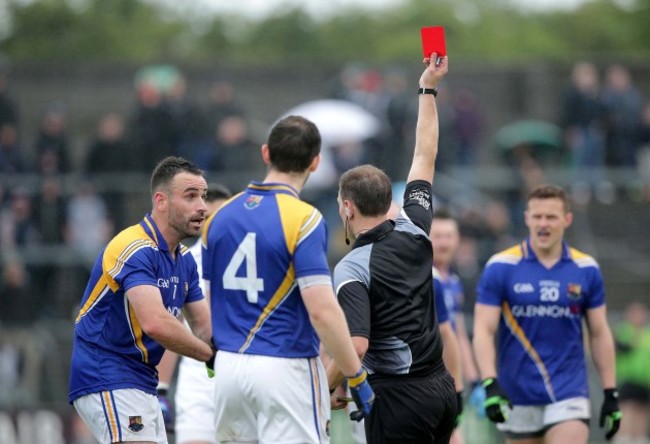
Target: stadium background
{"type": "Point", "coordinates": [34, 356]}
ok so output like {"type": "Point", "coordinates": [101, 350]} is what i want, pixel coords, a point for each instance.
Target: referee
{"type": "Point", "coordinates": [385, 288]}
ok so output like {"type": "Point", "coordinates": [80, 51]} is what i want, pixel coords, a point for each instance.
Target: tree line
{"type": "Point", "coordinates": [141, 30]}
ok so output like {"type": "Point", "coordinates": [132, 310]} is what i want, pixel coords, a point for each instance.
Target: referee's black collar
{"type": "Point", "coordinates": [374, 234]}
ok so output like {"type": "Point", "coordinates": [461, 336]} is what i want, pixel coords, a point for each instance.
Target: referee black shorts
{"type": "Point", "coordinates": [411, 409]}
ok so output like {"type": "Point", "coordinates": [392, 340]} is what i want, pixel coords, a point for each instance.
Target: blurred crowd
{"type": "Point", "coordinates": [52, 229]}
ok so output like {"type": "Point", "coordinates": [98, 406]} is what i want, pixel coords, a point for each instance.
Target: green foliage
{"type": "Point", "coordinates": [483, 29]}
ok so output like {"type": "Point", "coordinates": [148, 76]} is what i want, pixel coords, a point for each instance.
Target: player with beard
{"type": "Point", "coordinates": [129, 312]}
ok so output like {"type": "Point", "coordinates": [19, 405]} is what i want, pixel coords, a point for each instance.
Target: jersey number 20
{"type": "Point", "coordinates": [250, 283]}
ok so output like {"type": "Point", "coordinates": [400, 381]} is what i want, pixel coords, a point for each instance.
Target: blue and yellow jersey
{"type": "Point", "coordinates": [442, 311]}
{"type": "Point", "coordinates": [452, 295]}
{"type": "Point", "coordinates": [110, 350]}
{"type": "Point", "coordinates": [540, 343]}
{"type": "Point", "coordinates": [257, 249]}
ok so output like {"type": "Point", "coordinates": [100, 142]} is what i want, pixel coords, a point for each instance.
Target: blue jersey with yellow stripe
{"type": "Point", "coordinates": [110, 350]}
{"type": "Point", "coordinates": [452, 295]}
{"type": "Point", "coordinates": [442, 311]}
{"type": "Point", "coordinates": [257, 249]}
{"type": "Point", "coordinates": [540, 345]}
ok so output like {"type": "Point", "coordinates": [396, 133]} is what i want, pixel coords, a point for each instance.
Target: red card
{"type": "Point", "coordinates": [433, 40]}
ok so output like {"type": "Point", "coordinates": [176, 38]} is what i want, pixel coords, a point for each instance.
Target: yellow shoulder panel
{"type": "Point", "coordinates": [123, 246]}
{"type": "Point", "coordinates": [298, 218]}
{"type": "Point", "coordinates": [510, 255]}
{"type": "Point", "coordinates": [582, 259]}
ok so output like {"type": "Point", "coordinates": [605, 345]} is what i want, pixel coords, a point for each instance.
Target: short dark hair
{"type": "Point", "coordinates": [550, 192]}
{"type": "Point", "coordinates": [216, 191]}
{"type": "Point", "coordinates": [369, 188]}
{"type": "Point", "coordinates": [168, 168]}
{"type": "Point", "coordinates": [443, 213]}
{"type": "Point", "coordinates": [293, 143]}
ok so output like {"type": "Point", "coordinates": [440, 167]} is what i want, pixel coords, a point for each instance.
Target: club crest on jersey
{"type": "Point", "coordinates": [135, 423]}
{"type": "Point", "coordinates": [253, 202]}
{"type": "Point", "coordinates": [574, 291]}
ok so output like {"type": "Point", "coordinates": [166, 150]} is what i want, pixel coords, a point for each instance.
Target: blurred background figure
{"type": "Point", "coordinates": [16, 295]}
{"type": "Point", "coordinates": [52, 145]}
{"type": "Point", "coordinates": [583, 119]}
{"type": "Point", "coordinates": [632, 338]}
{"type": "Point", "coordinates": [107, 159]}
{"type": "Point", "coordinates": [623, 104]}
{"type": "Point", "coordinates": [11, 157]}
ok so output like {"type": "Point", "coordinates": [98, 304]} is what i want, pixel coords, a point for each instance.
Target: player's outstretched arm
{"type": "Point", "coordinates": [426, 132]}
{"type": "Point", "coordinates": [165, 329]}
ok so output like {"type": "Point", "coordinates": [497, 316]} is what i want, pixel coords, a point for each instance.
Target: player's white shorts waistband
{"type": "Point", "coordinates": [122, 415]}
{"type": "Point", "coordinates": [530, 419]}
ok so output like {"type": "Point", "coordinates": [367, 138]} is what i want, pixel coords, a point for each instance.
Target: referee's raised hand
{"type": "Point", "coordinates": [434, 71]}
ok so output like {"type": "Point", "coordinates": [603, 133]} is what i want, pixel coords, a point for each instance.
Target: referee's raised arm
{"type": "Point", "coordinates": [426, 134]}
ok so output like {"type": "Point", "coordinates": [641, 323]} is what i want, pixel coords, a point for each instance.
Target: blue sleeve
{"type": "Point", "coordinates": [441, 308]}
{"type": "Point", "coordinates": [490, 289]}
{"type": "Point", "coordinates": [596, 296]}
{"type": "Point", "coordinates": [139, 269]}
{"type": "Point", "coordinates": [310, 256]}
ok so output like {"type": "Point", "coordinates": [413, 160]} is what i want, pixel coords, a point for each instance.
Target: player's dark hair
{"type": "Point", "coordinates": [216, 191]}
{"type": "Point", "coordinates": [294, 142]}
{"type": "Point", "coordinates": [168, 168]}
{"type": "Point", "coordinates": [369, 188]}
{"type": "Point", "coordinates": [550, 192]}
{"type": "Point", "coordinates": [443, 213]}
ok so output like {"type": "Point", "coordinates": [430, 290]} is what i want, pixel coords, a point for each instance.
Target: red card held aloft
{"type": "Point", "coordinates": [433, 40]}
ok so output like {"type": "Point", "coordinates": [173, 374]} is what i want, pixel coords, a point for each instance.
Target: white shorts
{"type": "Point", "coordinates": [122, 415]}
{"type": "Point", "coordinates": [535, 420]}
{"type": "Point", "coordinates": [194, 401]}
{"type": "Point", "coordinates": [270, 399]}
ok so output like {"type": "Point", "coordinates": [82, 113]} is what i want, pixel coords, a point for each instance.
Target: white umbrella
{"type": "Point", "coordinates": [338, 122]}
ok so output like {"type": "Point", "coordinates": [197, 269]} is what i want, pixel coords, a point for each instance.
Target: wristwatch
{"type": "Point", "coordinates": [433, 91]}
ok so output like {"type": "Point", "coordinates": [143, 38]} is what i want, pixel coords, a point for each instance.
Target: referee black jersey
{"type": "Point", "coordinates": [385, 288]}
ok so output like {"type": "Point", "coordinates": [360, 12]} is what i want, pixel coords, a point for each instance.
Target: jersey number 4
{"type": "Point", "coordinates": [250, 283]}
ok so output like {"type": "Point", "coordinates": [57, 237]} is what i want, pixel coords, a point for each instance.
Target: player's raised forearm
{"type": "Point", "coordinates": [426, 132]}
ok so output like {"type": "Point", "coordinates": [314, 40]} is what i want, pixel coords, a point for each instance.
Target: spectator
{"type": "Point", "coordinates": [467, 126]}
{"type": "Point", "coordinates": [50, 221]}
{"type": "Point", "coordinates": [52, 148]}
{"type": "Point", "coordinates": [624, 107]}
{"type": "Point", "coordinates": [222, 102]}
{"type": "Point", "coordinates": [191, 133]}
{"type": "Point", "coordinates": [583, 120]}
{"type": "Point", "coordinates": [633, 361]}
{"type": "Point", "coordinates": [16, 295]}
{"type": "Point", "coordinates": [88, 226]}
{"type": "Point", "coordinates": [107, 154]}
{"type": "Point", "coordinates": [17, 226]}
{"type": "Point", "coordinates": [150, 132]}
{"type": "Point", "coordinates": [11, 159]}
{"type": "Point", "coordinates": [8, 108]}
{"type": "Point", "coordinates": [235, 151]}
